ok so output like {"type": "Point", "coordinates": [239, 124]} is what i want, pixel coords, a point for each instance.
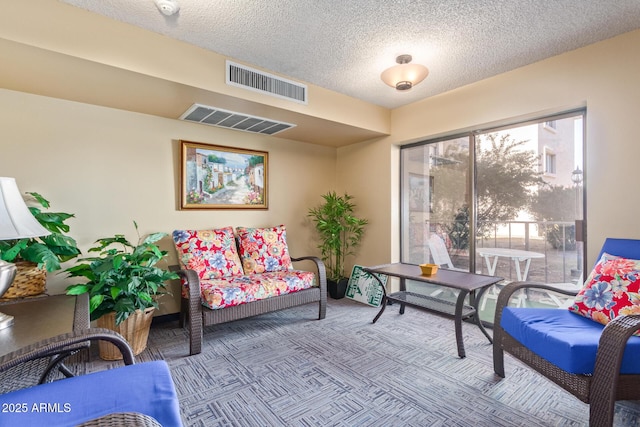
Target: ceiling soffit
{"type": "Point", "coordinates": [165, 81]}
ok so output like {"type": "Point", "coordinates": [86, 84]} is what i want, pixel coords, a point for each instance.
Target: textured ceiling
{"type": "Point", "coordinates": [345, 45]}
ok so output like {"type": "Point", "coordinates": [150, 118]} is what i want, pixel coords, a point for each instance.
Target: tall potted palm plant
{"type": "Point", "coordinates": [340, 234]}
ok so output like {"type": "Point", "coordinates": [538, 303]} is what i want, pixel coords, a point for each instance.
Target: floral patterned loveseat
{"type": "Point", "coordinates": [228, 276]}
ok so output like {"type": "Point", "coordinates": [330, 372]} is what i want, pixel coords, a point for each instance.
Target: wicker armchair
{"type": "Point", "coordinates": [604, 385]}
{"type": "Point", "coordinates": [132, 395]}
{"type": "Point", "coordinates": [120, 419]}
{"type": "Point", "coordinates": [36, 363]}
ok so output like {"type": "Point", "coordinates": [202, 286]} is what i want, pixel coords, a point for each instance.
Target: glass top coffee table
{"type": "Point", "coordinates": [467, 283]}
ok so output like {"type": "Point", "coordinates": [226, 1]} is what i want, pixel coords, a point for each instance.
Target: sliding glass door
{"type": "Point", "coordinates": [435, 203]}
{"type": "Point", "coordinates": [506, 202]}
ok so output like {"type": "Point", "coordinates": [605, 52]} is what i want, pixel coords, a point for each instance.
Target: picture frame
{"type": "Point", "coordinates": [221, 177]}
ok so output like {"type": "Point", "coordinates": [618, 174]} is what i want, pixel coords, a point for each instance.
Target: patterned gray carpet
{"type": "Point", "coordinates": [288, 369]}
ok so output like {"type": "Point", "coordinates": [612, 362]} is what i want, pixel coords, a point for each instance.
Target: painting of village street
{"type": "Point", "coordinates": [217, 177]}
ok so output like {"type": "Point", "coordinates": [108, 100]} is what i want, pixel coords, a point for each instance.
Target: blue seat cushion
{"type": "Point", "coordinates": [146, 388]}
{"type": "Point", "coordinates": [563, 338]}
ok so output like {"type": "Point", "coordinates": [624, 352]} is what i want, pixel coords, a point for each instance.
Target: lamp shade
{"type": "Point", "coordinates": [16, 221]}
{"type": "Point", "coordinates": [404, 75]}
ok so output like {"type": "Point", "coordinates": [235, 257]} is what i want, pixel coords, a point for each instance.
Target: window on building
{"type": "Point", "coordinates": [549, 162]}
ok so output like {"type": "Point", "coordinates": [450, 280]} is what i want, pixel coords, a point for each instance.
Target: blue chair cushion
{"type": "Point", "coordinates": [565, 339]}
{"type": "Point", "coordinates": [146, 388]}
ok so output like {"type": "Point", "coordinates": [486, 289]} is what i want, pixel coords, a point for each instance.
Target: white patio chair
{"type": "Point", "coordinates": [493, 291]}
{"type": "Point", "coordinates": [573, 286]}
{"type": "Point", "coordinates": [440, 256]}
{"type": "Point", "coordinates": [548, 297]}
{"type": "Point", "coordinates": [439, 253]}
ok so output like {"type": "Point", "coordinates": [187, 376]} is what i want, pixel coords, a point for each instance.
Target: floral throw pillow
{"type": "Point", "coordinates": [264, 249]}
{"type": "Point", "coordinates": [611, 290]}
{"type": "Point", "coordinates": [211, 253]}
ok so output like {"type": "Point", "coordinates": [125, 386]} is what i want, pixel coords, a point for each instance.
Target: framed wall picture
{"type": "Point", "coordinates": [219, 177]}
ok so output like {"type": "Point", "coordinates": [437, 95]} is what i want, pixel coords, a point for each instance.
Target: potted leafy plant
{"type": "Point", "coordinates": [340, 234]}
{"type": "Point", "coordinates": [123, 282]}
{"type": "Point", "coordinates": [36, 256]}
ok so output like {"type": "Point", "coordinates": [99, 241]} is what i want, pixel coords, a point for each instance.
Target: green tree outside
{"type": "Point", "coordinates": [507, 180]}
{"type": "Point", "coordinates": [555, 203]}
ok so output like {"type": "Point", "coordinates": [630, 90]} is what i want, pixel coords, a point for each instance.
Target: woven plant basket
{"type": "Point", "coordinates": [30, 280]}
{"type": "Point", "coordinates": [135, 330]}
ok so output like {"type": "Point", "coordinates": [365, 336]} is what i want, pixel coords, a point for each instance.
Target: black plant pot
{"type": "Point", "coordinates": [337, 289]}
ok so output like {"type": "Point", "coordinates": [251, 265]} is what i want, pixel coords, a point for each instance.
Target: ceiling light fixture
{"type": "Point", "coordinates": [404, 75]}
{"type": "Point", "coordinates": [167, 7]}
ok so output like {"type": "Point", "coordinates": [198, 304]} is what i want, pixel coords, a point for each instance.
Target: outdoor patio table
{"type": "Point", "coordinates": [516, 255]}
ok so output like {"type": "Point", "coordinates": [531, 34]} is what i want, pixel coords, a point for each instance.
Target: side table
{"type": "Point", "coordinates": [39, 320]}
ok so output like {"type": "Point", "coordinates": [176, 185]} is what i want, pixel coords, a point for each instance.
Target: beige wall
{"type": "Point", "coordinates": [603, 77]}
{"type": "Point", "coordinates": [110, 167]}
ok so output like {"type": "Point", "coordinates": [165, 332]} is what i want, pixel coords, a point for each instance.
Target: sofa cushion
{"type": "Point", "coordinates": [563, 338]}
{"type": "Point", "coordinates": [264, 249]}
{"type": "Point", "coordinates": [612, 289]}
{"type": "Point", "coordinates": [211, 253]}
{"type": "Point", "coordinates": [145, 388]}
{"type": "Point", "coordinates": [232, 291]}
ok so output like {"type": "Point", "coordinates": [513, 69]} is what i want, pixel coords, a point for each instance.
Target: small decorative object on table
{"type": "Point", "coordinates": [429, 269]}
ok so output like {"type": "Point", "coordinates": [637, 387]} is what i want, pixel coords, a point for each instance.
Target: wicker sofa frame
{"type": "Point", "coordinates": [198, 316]}
{"type": "Point", "coordinates": [600, 390]}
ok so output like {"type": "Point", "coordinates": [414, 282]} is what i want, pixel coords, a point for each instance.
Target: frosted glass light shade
{"type": "Point", "coordinates": [404, 75]}
{"type": "Point", "coordinates": [16, 221]}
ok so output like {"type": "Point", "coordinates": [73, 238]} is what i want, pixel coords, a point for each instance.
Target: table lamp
{"type": "Point", "coordinates": [16, 222]}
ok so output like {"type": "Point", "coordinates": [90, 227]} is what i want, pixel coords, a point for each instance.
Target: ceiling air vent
{"type": "Point", "coordinates": [252, 79]}
{"type": "Point", "coordinates": [228, 119]}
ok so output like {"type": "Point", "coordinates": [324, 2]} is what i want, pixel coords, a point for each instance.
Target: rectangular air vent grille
{"type": "Point", "coordinates": [228, 119]}
{"type": "Point", "coordinates": [250, 78]}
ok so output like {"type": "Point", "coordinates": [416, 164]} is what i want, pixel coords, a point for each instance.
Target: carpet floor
{"type": "Point", "coordinates": [289, 369]}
